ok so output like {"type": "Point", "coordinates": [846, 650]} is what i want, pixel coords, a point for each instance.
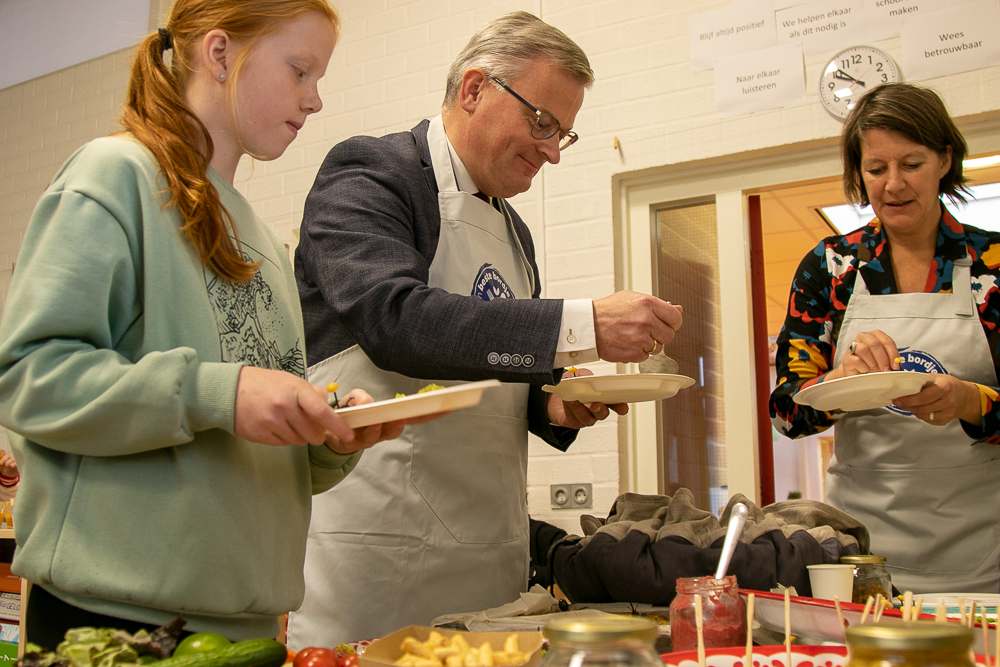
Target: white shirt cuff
{"type": "Point", "coordinates": [577, 341]}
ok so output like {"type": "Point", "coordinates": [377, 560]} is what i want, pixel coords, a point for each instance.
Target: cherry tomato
{"type": "Point", "coordinates": [350, 660]}
{"type": "Point", "coordinates": [316, 657]}
{"type": "Point", "coordinates": [200, 641]}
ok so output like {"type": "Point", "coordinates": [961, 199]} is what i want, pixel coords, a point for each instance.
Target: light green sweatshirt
{"type": "Point", "coordinates": [119, 358]}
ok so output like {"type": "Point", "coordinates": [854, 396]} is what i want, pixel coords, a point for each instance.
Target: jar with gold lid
{"type": "Point", "coordinates": [871, 577]}
{"type": "Point", "coordinates": [911, 643]}
{"type": "Point", "coordinates": [616, 641]}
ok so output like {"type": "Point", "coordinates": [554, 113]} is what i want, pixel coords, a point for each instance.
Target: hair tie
{"type": "Point", "coordinates": [166, 41]}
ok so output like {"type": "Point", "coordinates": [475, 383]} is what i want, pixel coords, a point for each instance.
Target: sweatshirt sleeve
{"type": "Point", "coordinates": [805, 349]}
{"type": "Point", "coordinates": [68, 380]}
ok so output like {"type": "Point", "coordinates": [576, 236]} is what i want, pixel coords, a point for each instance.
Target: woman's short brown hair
{"type": "Point", "coordinates": [914, 112]}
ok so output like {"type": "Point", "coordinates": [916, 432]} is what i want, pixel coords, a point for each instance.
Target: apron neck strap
{"type": "Point", "coordinates": [961, 285]}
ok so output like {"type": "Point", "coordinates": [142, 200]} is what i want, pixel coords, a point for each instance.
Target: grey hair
{"type": "Point", "coordinates": [507, 46]}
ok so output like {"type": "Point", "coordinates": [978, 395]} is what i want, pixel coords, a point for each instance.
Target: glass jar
{"type": "Point", "coordinates": [617, 641]}
{"type": "Point", "coordinates": [916, 643]}
{"type": "Point", "coordinates": [871, 577]}
{"type": "Point", "coordinates": [723, 614]}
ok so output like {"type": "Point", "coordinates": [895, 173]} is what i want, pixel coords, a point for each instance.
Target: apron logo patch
{"type": "Point", "coordinates": [920, 362]}
{"type": "Point", "coordinates": [490, 285]}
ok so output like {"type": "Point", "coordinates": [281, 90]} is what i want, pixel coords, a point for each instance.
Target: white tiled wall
{"type": "Point", "coordinates": [388, 73]}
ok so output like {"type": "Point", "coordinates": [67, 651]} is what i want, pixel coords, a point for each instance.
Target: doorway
{"type": "Point", "coordinates": [730, 182]}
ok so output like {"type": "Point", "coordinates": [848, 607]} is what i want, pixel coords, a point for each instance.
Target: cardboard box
{"type": "Point", "coordinates": [387, 650]}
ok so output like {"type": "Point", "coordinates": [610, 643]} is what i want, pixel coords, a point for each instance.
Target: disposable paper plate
{"type": "Point", "coordinates": [416, 405]}
{"type": "Point", "coordinates": [623, 388]}
{"type": "Point", "coordinates": [862, 392]}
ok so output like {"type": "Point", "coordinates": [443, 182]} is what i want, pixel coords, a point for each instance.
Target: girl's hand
{"type": "Point", "coordinates": [944, 400]}
{"type": "Point", "coordinates": [365, 436]}
{"type": "Point", "coordinates": [278, 408]}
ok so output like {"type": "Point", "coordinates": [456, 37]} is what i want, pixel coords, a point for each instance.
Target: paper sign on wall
{"type": "Point", "coordinates": [884, 17]}
{"type": "Point", "coordinates": [765, 79]}
{"type": "Point", "coordinates": [736, 29]}
{"type": "Point", "coordinates": [822, 25]}
{"type": "Point", "coordinates": [957, 39]}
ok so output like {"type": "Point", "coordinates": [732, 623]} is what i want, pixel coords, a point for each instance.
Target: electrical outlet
{"type": "Point", "coordinates": [581, 495]}
{"type": "Point", "coordinates": [560, 496]}
{"type": "Point", "coordinates": [571, 496]}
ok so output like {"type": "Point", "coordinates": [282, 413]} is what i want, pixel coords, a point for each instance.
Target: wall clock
{"type": "Point", "coordinates": [850, 74]}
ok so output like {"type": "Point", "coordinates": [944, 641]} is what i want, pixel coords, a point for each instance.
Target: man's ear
{"type": "Point", "coordinates": [474, 85]}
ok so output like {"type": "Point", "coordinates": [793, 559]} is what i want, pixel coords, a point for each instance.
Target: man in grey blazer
{"type": "Point", "coordinates": [413, 268]}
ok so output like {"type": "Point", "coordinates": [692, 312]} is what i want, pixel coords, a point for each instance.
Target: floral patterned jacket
{"type": "Point", "coordinates": [822, 288]}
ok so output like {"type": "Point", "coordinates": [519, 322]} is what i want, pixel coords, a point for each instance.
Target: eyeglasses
{"type": "Point", "coordinates": [545, 125]}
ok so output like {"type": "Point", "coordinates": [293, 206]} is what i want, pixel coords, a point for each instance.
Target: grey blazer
{"type": "Point", "coordinates": [369, 233]}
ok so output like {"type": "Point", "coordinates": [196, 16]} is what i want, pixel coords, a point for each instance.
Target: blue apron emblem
{"type": "Point", "coordinates": [490, 285]}
{"type": "Point", "coordinates": [921, 362]}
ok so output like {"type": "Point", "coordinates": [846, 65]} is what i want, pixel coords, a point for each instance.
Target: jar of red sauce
{"type": "Point", "coordinates": [724, 618]}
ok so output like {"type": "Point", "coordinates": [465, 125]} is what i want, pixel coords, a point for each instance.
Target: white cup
{"type": "Point", "coordinates": [833, 579]}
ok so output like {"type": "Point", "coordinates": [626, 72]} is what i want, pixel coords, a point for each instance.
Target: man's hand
{"type": "Point", "coordinates": [630, 326]}
{"type": "Point", "coordinates": [574, 414]}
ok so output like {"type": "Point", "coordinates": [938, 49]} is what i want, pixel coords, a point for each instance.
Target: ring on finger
{"type": "Point", "coordinates": [853, 346]}
{"type": "Point", "coordinates": [931, 416]}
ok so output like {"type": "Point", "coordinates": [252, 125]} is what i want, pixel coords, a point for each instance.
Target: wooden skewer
{"type": "Point", "coordinates": [879, 607]}
{"type": "Point", "coordinates": [788, 630]}
{"type": "Point", "coordinates": [699, 624]}
{"type": "Point", "coordinates": [749, 658]}
{"type": "Point", "coordinates": [868, 608]}
{"type": "Point", "coordinates": [972, 615]}
{"type": "Point", "coordinates": [942, 612]}
{"type": "Point", "coordinates": [908, 606]}
{"type": "Point", "coordinates": [996, 633]}
{"type": "Point", "coordinates": [986, 638]}
{"type": "Point", "coordinates": [961, 610]}
{"type": "Point", "coordinates": [840, 617]}
{"type": "Point", "coordinates": [918, 608]}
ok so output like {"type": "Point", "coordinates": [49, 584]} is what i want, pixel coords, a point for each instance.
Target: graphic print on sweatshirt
{"type": "Point", "coordinates": [250, 321]}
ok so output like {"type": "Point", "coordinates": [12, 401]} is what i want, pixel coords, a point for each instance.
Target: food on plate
{"type": "Point", "coordinates": [440, 651]}
{"type": "Point", "coordinates": [424, 390]}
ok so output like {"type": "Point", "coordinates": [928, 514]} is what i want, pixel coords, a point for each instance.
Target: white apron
{"type": "Point", "coordinates": [435, 521]}
{"type": "Point", "coordinates": [929, 497]}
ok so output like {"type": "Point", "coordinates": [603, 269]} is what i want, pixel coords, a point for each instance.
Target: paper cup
{"type": "Point", "coordinates": [830, 580]}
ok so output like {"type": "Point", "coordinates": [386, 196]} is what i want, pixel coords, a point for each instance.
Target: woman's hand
{"type": "Point", "coordinates": [574, 414]}
{"type": "Point", "coordinates": [869, 352]}
{"type": "Point", "coordinates": [943, 400]}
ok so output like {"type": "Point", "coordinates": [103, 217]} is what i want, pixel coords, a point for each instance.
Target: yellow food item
{"type": "Point", "coordinates": [440, 651]}
{"type": "Point", "coordinates": [424, 390]}
{"type": "Point", "coordinates": [332, 387]}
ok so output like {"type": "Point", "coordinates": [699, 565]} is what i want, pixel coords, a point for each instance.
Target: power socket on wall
{"type": "Point", "coordinates": [571, 496]}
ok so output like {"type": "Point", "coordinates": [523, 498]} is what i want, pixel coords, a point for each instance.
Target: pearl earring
{"type": "Point", "coordinates": [222, 76]}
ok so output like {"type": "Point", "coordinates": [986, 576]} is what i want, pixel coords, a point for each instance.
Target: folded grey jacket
{"type": "Point", "coordinates": [648, 542]}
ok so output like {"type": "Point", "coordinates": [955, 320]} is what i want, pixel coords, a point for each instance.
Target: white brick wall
{"type": "Point", "coordinates": [388, 73]}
